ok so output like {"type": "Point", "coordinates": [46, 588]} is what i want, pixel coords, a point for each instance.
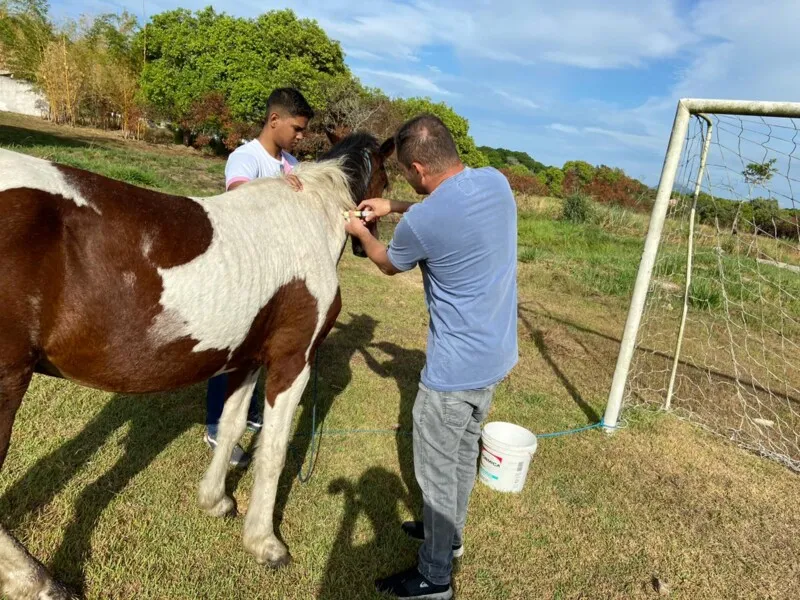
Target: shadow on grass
{"type": "Point", "coordinates": [153, 420]}
{"type": "Point", "coordinates": [352, 567]}
{"type": "Point", "coordinates": [538, 338]}
{"type": "Point", "coordinates": [334, 376]}
{"type": "Point", "coordinates": [404, 366]}
{"type": "Point", "coordinates": [11, 135]}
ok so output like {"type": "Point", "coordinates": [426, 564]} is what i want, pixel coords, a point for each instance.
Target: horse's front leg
{"type": "Point", "coordinates": [232, 423]}
{"type": "Point", "coordinates": [283, 396]}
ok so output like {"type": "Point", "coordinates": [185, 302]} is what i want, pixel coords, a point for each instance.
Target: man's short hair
{"type": "Point", "coordinates": [290, 101]}
{"type": "Point", "coordinates": [426, 140]}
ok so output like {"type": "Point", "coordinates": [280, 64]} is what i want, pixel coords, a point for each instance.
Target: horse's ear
{"type": "Point", "coordinates": [332, 137]}
{"type": "Point", "coordinates": [386, 148]}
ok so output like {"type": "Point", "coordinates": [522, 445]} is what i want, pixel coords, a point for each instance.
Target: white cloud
{"type": "Point", "coordinates": [564, 128]}
{"type": "Point", "coordinates": [581, 33]}
{"type": "Point", "coordinates": [361, 54]}
{"type": "Point", "coordinates": [635, 140]}
{"type": "Point", "coordinates": [518, 100]}
{"type": "Point", "coordinates": [407, 81]}
{"type": "Point", "coordinates": [648, 142]}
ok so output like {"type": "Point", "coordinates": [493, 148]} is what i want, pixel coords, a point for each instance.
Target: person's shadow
{"type": "Point", "coordinates": [335, 374]}
{"type": "Point", "coordinates": [404, 366]}
{"type": "Point", "coordinates": [351, 568]}
{"type": "Point", "coordinates": [154, 421]}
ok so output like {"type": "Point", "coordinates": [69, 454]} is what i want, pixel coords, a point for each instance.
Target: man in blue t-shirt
{"type": "Point", "coordinates": [463, 236]}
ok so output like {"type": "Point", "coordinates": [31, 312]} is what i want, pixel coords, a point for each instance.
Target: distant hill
{"type": "Point", "coordinates": [501, 158]}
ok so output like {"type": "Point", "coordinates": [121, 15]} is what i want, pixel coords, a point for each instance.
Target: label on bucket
{"type": "Point", "coordinates": [503, 473]}
{"type": "Point", "coordinates": [491, 463]}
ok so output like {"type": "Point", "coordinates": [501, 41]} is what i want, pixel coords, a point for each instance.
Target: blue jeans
{"type": "Point", "coordinates": [447, 430]}
{"type": "Point", "coordinates": [215, 401]}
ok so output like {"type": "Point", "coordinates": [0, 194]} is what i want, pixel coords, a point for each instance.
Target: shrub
{"type": "Point", "coordinates": [525, 184]}
{"type": "Point", "coordinates": [577, 208]}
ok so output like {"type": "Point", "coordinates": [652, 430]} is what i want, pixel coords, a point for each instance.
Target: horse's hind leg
{"type": "Point", "coordinates": [21, 575]}
{"type": "Point", "coordinates": [232, 424]}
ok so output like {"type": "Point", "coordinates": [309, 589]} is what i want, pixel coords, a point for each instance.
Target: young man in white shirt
{"type": "Point", "coordinates": [288, 114]}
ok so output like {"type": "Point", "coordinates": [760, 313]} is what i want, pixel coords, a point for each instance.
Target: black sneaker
{"type": "Point", "coordinates": [415, 530]}
{"type": "Point", "coordinates": [239, 458]}
{"type": "Point", "coordinates": [412, 584]}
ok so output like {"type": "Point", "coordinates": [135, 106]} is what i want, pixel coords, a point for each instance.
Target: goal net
{"type": "Point", "coordinates": [718, 341]}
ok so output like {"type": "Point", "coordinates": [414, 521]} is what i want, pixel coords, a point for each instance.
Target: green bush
{"type": "Point", "coordinates": [577, 208]}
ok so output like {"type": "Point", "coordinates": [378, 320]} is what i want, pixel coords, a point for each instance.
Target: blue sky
{"type": "Point", "coordinates": [574, 79]}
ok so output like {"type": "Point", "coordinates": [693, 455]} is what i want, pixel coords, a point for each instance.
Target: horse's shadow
{"type": "Point", "coordinates": [154, 421]}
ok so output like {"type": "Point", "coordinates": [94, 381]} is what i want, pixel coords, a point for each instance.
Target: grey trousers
{"type": "Point", "coordinates": [446, 445]}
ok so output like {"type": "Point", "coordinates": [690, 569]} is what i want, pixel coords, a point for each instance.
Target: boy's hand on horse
{"type": "Point", "coordinates": [295, 182]}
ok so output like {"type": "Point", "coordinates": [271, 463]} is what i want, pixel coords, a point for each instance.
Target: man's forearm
{"type": "Point", "coordinates": [398, 206]}
{"type": "Point", "coordinates": [378, 254]}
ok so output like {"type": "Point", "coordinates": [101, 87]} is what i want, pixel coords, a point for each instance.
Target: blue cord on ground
{"type": "Point", "coordinates": [344, 432]}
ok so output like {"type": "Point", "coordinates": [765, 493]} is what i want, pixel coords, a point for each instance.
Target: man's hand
{"type": "Point", "coordinates": [375, 250]}
{"type": "Point", "coordinates": [377, 207]}
{"type": "Point", "coordinates": [356, 227]}
{"type": "Point", "coordinates": [295, 182]}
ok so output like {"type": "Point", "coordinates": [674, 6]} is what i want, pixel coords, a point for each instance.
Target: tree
{"type": "Point", "coordinates": [61, 80]}
{"type": "Point", "coordinates": [499, 158]}
{"type": "Point", "coordinates": [458, 126]}
{"type": "Point", "coordinates": [25, 34]}
{"type": "Point", "coordinates": [755, 174]}
{"type": "Point", "coordinates": [553, 178]}
{"type": "Point", "coordinates": [582, 169]}
{"type": "Point", "coordinates": [192, 54]}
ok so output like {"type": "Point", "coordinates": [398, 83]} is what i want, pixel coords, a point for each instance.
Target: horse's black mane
{"type": "Point", "coordinates": [356, 149]}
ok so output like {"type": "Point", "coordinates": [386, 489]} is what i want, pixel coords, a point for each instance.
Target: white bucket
{"type": "Point", "coordinates": [505, 456]}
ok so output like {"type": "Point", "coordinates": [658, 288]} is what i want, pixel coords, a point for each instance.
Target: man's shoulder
{"type": "Point", "coordinates": [490, 175]}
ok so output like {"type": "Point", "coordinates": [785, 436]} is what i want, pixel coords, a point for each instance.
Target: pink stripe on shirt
{"type": "Point", "coordinates": [234, 180]}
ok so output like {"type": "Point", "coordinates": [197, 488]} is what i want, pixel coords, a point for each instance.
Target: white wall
{"type": "Point", "coordinates": [19, 97]}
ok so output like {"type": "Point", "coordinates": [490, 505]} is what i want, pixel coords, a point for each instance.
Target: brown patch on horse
{"type": "Point", "coordinates": [73, 275]}
{"type": "Point", "coordinates": [145, 219]}
{"type": "Point", "coordinates": [281, 334]}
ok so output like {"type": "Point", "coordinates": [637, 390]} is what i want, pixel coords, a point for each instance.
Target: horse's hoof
{"type": "Point", "coordinates": [280, 562]}
{"type": "Point", "coordinates": [56, 591]}
{"type": "Point", "coordinates": [224, 508]}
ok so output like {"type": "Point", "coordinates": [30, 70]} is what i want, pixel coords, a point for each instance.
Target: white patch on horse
{"type": "Point", "coordinates": [147, 245]}
{"type": "Point", "coordinates": [129, 278]}
{"type": "Point", "coordinates": [23, 171]}
{"type": "Point", "coordinates": [259, 535]}
{"type": "Point", "coordinates": [21, 576]}
{"type": "Point", "coordinates": [265, 234]}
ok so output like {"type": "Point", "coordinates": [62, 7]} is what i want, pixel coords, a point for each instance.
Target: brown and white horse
{"type": "Point", "coordinates": [130, 290]}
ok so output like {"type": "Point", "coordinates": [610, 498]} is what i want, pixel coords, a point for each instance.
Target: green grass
{"type": "Point", "coordinates": [101, 487]}
{"type": "Point", "coordinates": [587, 258]}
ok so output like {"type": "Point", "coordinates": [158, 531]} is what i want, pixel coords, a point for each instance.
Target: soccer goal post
{"type": "Point", "coordinates": [713, 328]}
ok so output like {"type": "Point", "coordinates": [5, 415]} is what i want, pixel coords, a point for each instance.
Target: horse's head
{"type": "Point", "coordinates": [363, 161]}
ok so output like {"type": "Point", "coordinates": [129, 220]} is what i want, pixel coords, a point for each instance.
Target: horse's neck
{"type": "Point", "coordinates": [335, 227]}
